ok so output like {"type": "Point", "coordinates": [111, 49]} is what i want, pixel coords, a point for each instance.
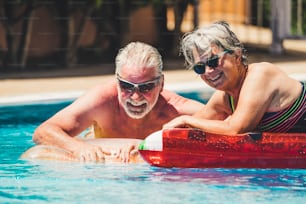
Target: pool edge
{"type": "Point", "coordinates": [71, 95]}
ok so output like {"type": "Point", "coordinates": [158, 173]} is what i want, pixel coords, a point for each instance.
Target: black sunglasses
{"type": "Point", "coordinates": [212, 62]}
{"type": "Point", "coordinates": [143, 88]}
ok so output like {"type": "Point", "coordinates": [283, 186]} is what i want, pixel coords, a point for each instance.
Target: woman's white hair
{"type": "Point", "coordinates": [201, 39]}
{"type": "Point", "coordinates": [139, 54]}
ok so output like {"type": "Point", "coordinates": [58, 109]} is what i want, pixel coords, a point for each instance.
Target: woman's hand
{"type": "Point", "coordinates": [179, 122]}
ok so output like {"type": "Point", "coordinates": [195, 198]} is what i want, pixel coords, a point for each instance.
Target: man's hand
{"type": "Point", "coordinates": [90, 153]}
{"type": "Point", "coordinates": [127, 153]}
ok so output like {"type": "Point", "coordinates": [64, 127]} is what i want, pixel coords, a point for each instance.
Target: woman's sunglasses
{"type": "Point", "coordinates": [143, 88]}
{"type": "Point", "coordinates": [212, 62]}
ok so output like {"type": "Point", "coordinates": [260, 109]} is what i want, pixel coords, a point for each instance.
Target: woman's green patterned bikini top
{"type": "Point", "coordinates": [284, 120]}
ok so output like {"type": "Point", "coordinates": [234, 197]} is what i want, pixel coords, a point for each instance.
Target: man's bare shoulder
{"type": "Point", "coordinates": [103, 90]}
{"type": "Point", "coordinates": [181, 104]}
{"type": "Point", "coordinates": [169, 94]}
{"type": "Point", "coordinates": [173, 97]}
{"type": "Point", "coordinates": [100, 95]}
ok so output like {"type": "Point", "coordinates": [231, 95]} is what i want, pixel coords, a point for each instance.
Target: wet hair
{"type": "Point", "coordinates": [201, 39]}
{"type": "Point", "coordinates": [139, 54]}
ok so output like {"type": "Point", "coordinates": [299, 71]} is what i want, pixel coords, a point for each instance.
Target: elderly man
{"type": "Point", "coordinates": [133, 105]}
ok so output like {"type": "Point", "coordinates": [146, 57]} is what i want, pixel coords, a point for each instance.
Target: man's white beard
{"type": "Point", "coordinates": [137, 115]}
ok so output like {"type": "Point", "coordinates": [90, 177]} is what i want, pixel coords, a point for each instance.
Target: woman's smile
{"type": "Point", "coordinates": [214, 79]}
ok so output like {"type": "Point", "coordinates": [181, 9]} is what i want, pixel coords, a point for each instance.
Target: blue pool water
{"type": "Point", "coordinates": [64, 182]}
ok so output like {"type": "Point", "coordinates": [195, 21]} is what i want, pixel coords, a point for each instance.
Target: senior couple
{"type": "Point", "coordinates": [248, 97]}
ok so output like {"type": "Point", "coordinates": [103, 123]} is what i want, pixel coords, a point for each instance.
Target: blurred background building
{"type": "Point", "coordinates": [66, 33]}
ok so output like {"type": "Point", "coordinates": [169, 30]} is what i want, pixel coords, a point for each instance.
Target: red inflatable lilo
{"type": "Point", "coordinates": [193, 148]}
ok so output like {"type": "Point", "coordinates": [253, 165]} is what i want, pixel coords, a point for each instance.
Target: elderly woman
{"type": "Point", "coordinates": [254, 97]}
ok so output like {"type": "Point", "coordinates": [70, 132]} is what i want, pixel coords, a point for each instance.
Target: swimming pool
{"type": "Point", "coordinates": [66, 182]}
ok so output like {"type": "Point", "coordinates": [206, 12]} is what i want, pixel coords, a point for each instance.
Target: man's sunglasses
{"type": "Point", "coordinates": [212, 62]}
{"type": "Point", "coordinates": [143, 88]}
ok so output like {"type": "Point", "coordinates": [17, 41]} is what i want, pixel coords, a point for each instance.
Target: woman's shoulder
{"type": "Point", "coordinates": [263, 68]}
{"type": "Point", "coordinates": [262, 65]}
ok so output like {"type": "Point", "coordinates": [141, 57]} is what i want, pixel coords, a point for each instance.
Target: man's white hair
{"type": "Point", "coordinates": [139, 54]}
